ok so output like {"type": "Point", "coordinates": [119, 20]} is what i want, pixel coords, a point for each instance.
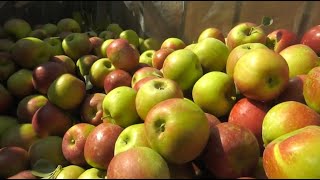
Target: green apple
{"type": "Point", "coordinates": [294, 155]}
{"type": "Point", "coordinates": [150, 165]}
{"type": "Point", "coordinates": [115, 28]}
{"type": "Point", "coordinates": [155, 91]}
{"type": "Point", "coordinates": [104, 47]}
{"type": "Point", "coordinates": [20, 84]}
{"type": "Point", "coordinates": [149, 44]}
{"type": "Point", "coordinates": [99, 70]}
{"type": "Point", "coordinates": [16, 27]}
{"type": "Point", "coordinates": [173, 43]}
{"type": "Point", "coordinates": [145, 72]}
{"type": "Point", "coordinates": [50, 28]}
{"type": "Point", "coordinates": [93, 173]}
{"type": "Point", "coordinates": [30, 52]}
{"type": "Point", "coordinates": [212, 54]}
{"type": "Point", "coordinates": [239, 51]}
{"type": "Point", "coordinates": [300, 58]}
{"type": "Point", "coordinates": [146, 57]}
{"type": "Point", "coordinates": [211, 32]}
{"type": "Point", "coordinates": [131, 36]}
{"type": "Point", "coordinates": [245, 32]}
{"type": "Point", "coordinates": [261, 74]}
{"type": "Point", "coordinates": [215, 88]}
{"type": "Point", "coordinates": [286, 117]}
{"type": "Point", "coordinates": [68, 25]}
{"type": "Point", "coordinates": [119, 107]}
{"type": "Point", "coordinates": [67, 91]}
{"type": "Point", "coordinates": [132, 136]}
{"type": "Point", "coordinates": [55, 45]}
{"type": "Point", "coordinates": [70, 172]}
{"type": "Point", "coordinates": [184, 67]}
{"type": "Point", "coordinates": [76, 45]}
{"type": "Point", "coordinates": [177, 129]}
{"type": "Point", "coordinates": [7, 66]}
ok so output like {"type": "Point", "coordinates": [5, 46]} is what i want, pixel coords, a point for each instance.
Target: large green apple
{"type": "Point", "coordinates": [300, 58]}
{"type": "Point", "coordinates": [177, 129]}
{"type": "Point", "coordinates": [184, 67]}
{"type": "Point", "coordinates": [311, 89]}
{"type": "Point", "coordinates": [261, 74]}
{"type": "Point", "coordinates": [16, 27]}
{"type": "Point", "coordinates": [212, 54]}
{"type": "Point", "coordinates": [286, 117]}
{"type": "Point", "coordinates": [76, 45]}
{"type": "Point", "coordinates": [155, 91]}
{"type": "Point", "coordinates": [294, 155]}
{"type": "Point", "coordinates": [215, 88]}
{"type": "Point", "coordinates": [67, 91]}
{"type": "Point", "coordinates": [132, 136]}
{"type": "Point", "coordinates": [245, 32]}
{"type": "Point", "coordinates": [119, 107]}
{"type": "Point", "coordinates": [150, 165]}
{"type": "Point", "coordinates": [30, 52]}
{"type": "Point", "coordinates": [99, 70]}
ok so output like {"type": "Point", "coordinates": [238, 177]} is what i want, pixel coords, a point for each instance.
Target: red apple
{"type": "Point", "coordinates": [115, 79]}
{"type": "Point", "coordinates": [67, 62]}
{"type": "Point", "coordinates": [250, 114]}
{"type": "Point", "coordinates": [212, 119]}
{"type": "Point", "coordinates": [311, 38]}
{"type": "Point", "coordinates": [280, 39]}
{"type": "Point", "coordinates": [13, 160]}
{"type": "Point", "coordinates": [232, 151]}
{"type": "Point", "coordinates": [73, 143]}
{"type": "Point", "coordinates": [91, 109]}
{"type": "Point", "coordinates": [159, 57]}
{"type": "Point", "coordinates": [211, 32]}
{"type": "Point", "coordinates": [311, 89]}
{"type": "Point", "coordinates": [145, 72]}
{"type": "Point", "coordinates": [294, 90]}
{"type": "Point", "coordinates": [28, 106]}
{"type": "Point", "coordinates": [141, 82]}
{"type": "Point", "coordinates": [50, 120]}
{"type": "Point", "coordinates": [173, 43]}
{"type": "Point", "coordinates": [96, 43]}
{"type": "Point", "coordinates": [99, 146]}
{"type": "Point", "coordinates": [44, 74]}
{"type": "Point", "coordinates": [122, 55]}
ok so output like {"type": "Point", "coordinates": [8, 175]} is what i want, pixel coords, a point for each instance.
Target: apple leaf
{"type": "Point", "coordinates": [266, 21]}
{"type": "Point", "coordinates": [43, 168]}
{"type": "Point", "coordinates": [87, 82]}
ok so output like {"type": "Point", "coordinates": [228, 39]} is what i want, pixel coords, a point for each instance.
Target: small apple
{"type": "Point", "coordinates": [212, 32]}
{"type": "Point", "coordinates": [245, 32]}
{"type": "Point", "coordinates": [67, 92]}
{"type": "Point", "coordinates": [44, 74]}
{"type": "Point", "coordinates": [212, 54]}
{"type": "Point", "coordinates": [159, 57]}
{"type": "Point", "coordinates": [68, 25]}
{"type": "Point", "coordinates": [16, 27]}
{"type": "Point", "coordinates": [99, 146]}
{"type": "Point", "coordinates": [261, 74]}
{"type": "Point", "coordinates": [117, 78]}
{"type": "Point", "coordinates": [76, 45]}
{"type": "Point", "coordinates": [122, 55]}
{"type": "Point", "coordinates": [280, 39]}
{"type": "Point", "coordinates": [215, 88]}
{"type": "Point", "coordinates": [172, 131]}
{"type": "Point", "coordinates": [132, 136]}
{"type": "Point", "coordinates": [173, 43]}
{"type": "Point", "coordinates": [66, 61]}
{"type": "Point", "coordinates": [286, 117]}
{"type": "Point", "coordinates": [91, 108]}
{"type": "Point", "coordinates": [28, 106]}
{"type": "Point", "coordinates": [49, 120]}
{"type": "Point", "coordinates": [131, 36]}
{"type": "Point", "coordinates": [311, 38]}
{"type": "Point", "coordinates": [30, 52]}
{"type": "Point", "coordinates": [154, 92]}
{"type": "Point", "coordinates": [184, 67]}
{"type": "Point", "coordinates": [99, 70]}
{"type": "Point", "coordinates": [151, 165]}
{"type": "Point", "coordinates": [119, 107]}
{"type": "Point", "coordinates": [300, 58]}
{"type": "Point", "coordinates": [20, 84]}
{"type": "Point", "coordinates": [146, 57]}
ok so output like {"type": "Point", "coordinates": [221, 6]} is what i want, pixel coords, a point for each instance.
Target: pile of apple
{"type": "Point", "coordinates": [112, 104]}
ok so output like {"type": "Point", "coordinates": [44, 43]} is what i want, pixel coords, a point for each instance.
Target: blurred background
{"type": "Point", "coordinates": [163, 19]}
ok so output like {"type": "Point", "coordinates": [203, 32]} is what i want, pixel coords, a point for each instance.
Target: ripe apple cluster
{"type": "Point", "coordinates": [112, 103]}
